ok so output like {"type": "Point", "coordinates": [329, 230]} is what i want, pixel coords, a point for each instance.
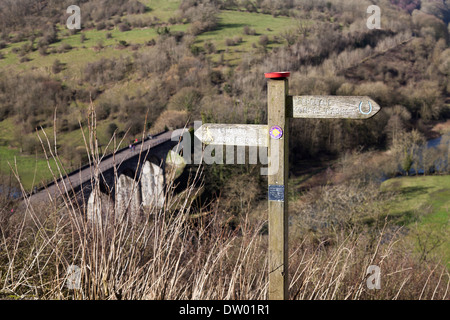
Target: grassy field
{"type": "Point", "coordinates": [232, 23]}
{"type": "Point", "coordinates": [163, 9]}
{"type": "Point", "coordinates": [423, 203]}
{"type": "Point", "coordinates": [33, 170]}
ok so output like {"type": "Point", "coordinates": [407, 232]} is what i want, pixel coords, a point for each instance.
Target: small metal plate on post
{"type": "Point", "coordinates": [276, 193]}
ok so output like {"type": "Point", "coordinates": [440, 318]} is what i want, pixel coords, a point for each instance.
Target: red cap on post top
{"type": "Point", "coordinates": [277, 75]}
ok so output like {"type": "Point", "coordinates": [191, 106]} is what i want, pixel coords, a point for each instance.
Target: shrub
{"type": "Point", "coordinates": [290, 36]}
{"type": "Point", "coordinates": [209, 47]}
{"type": "Point", "coordinates": [99, 45]}
{"type": "Point", "coordinates": [101, 25]}
{"type": "Point", "coordinates": [103, 111]}
{"type": "Point", "coordinates": [178, 36]}
{"type": "Point", "coordinates": [430, 24]}
{"type": "Point", "coordinates": [123, 27]}
{"type": "Point", "coordinates": [229, 42]}
{"type": "Point", "coordinates": [135, 7]}
{"type": "Point", "coordinates": [64, 47]}
{"type": "Point", "coordinates": [73, 32]}
{"type": "Point", "coordinates": [63, 125]}
{"type": "Point", "coordinates": [203, 16]}
{"type": "Point", "coordinates": [173, 20]}
{"type": "Point", "coordinates": [18, 37]}
{"type": "Point", "coordinates": [86, 95]}
{"type": "Point", "coordinates": [172, 119]}
{"type": "Point", "coordinates": [378, 91]}
{"type": "Point", "coordinates": [151, 43]}
{"type": "Point", "coordinates": [427, 98]}
{"type": "Point", "coordinates": [407, 5]}
{"type": "Point", "coordinates": [249, 31]}
{"type": "Point", "coordinates": [233, 42]}
{"type": "Point", "coordinates": [25, 49]}
{"type": "Point", "coordinates": [444, 62]}
{"type": "Point", "coordinates": [186, 99]}
{"type": "Point", "coordinates": [50, 36]}
{"type": "Point", "coordinates": [263, 40]}
{"type": "Point", "coordinates": [107, 70]}
{"type": "Point", "coordinates": [112, 127]}
{"type": "Point", "coordinates": [135, 47]}
{"type": "Point", "coordinates": [43, 50]}
{"type": "Point", "coordinates": [160, 57]}
{"type": "Point", "coordinates": [57, 66]}
{"type": "Point", "coordinates": [31, 144]}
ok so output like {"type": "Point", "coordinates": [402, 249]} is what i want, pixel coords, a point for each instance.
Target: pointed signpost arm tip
{"type": "Point", "coordinates": [334, 107]}
{"type": "Point", "coordinates": [198, 133]}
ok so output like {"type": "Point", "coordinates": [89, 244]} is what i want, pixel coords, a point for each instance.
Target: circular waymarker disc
{"type": "Point", "coordinates": [276, 132]}
{"type": "Point", "coordinates": [275, 75]}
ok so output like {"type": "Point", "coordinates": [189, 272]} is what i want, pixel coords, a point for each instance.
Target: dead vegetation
{"type": "Point", "coordinates": [185, 252]}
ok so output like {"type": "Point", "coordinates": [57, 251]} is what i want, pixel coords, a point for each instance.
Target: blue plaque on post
{"type": "Point", "coordinates": [276, 193]}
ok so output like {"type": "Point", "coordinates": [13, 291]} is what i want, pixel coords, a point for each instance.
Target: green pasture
{"type": "Point", "coordinates": [423, 204]}
{"type": "Point", "coordinates": [232, 23]}
{"type": "Point", "coordinates": [96, 45]}
{"type": "Point", "coordinates": [33, 169]}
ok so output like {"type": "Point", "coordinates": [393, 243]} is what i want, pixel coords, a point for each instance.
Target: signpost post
{"type": "Point", "coordinates": [275, 136]}
{"type": "Point", "coordinates": [278, 122]}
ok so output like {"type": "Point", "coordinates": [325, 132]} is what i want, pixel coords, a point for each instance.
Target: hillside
{"type": "Point", "coordinates": [229, 38]}
{"type": "Point", "coordinates": [70, 57]}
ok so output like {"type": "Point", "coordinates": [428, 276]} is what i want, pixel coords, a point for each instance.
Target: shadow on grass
{"type": "Point", "coordinates": [411, 192]}
{"type": "Point", "coordinates": [230, 25]}
{"type": "Point", "coordinates": [401, 218]}
{"type": "Point", "coordinates": [221, 26]}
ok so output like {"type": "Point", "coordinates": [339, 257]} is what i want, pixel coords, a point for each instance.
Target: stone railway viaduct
{"type": "Point", "coordinates": [147, 159]}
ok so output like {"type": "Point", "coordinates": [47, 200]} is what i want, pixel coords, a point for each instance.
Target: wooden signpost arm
{"type": "Point", "coordinates": [278, 182]}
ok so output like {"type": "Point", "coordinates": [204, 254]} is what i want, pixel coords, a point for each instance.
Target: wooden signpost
{"type": "Point", "coordinates": [234, 134]}
{"type": "Point", "coordinates": [274, 135]}
{"type": "Point", "coordinates": [329, 107]}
